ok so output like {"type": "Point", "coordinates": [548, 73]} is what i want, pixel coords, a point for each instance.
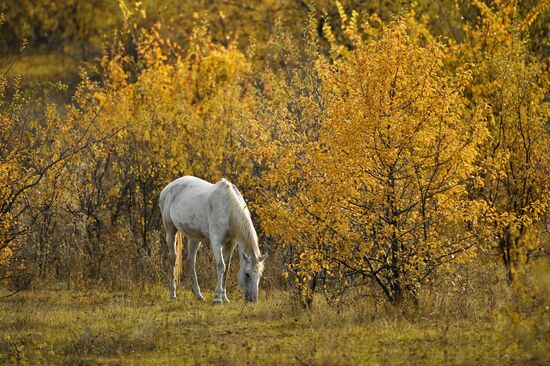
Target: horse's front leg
{"type": "Point", "coordinates": [217, 247]}
{"type": "Point", "coordinates": [228, 249]}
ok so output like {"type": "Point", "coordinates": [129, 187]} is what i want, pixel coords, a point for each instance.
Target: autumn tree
{"type": "Point", "coordinates": [514, 166]}
{"type": "Point", "coordinates": [178, 111]}
{"type": "Point", "coordinates": [36, 145]}
{"type": "Point", "coordinates": [379, 191]}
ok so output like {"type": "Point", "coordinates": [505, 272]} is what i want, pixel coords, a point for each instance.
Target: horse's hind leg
{"type": "Point", "coordinates": [172, 258]}
{"type": "Point", "coordinates": [193, 247]}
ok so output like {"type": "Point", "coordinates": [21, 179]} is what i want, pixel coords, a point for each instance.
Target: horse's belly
{"type": "Point", "coordinates": [192, 233]}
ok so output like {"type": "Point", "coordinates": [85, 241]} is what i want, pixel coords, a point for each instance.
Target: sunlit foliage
{"type": "Point", "coordinates": [172, 111]}
{"type": "Point", "coordinates": [375, 190]}
{"type": "Point", "coordinates": [380, 145]}
{"type": "Point", "coordinates": [514, 169]}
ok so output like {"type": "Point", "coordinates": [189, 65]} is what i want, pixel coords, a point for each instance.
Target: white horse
{"type": "Point", "coordinates": [217, 214]}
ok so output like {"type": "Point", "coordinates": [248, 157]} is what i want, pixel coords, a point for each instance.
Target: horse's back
{"type": "Point", "coordinates": [185, 203]}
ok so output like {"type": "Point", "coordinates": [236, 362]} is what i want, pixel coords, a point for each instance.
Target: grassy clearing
{"type": "Point", "coordinates": [42, 66]}
{"type": "Point", "coordinates": [143, 327]}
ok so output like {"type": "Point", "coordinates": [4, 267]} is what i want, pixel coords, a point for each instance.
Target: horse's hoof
{"type": "Point", "coordinates": [200, 297]}
{"type": "Point", "coordinates": [226, 299]}
{"type": "Point", "coordinates": [217, 301]}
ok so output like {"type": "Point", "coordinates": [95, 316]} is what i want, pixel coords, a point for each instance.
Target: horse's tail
{"type": "Point", "coordinates": [179, 257]}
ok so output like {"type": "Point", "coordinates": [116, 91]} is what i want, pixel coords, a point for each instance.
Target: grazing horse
{"type": "Point", "coordinates": [217, 214]}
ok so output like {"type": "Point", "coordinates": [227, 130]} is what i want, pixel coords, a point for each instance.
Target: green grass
{"type": "Point", "coordinates": [143, 327]}
{"type": "Point", "coordinates": [41, 67]}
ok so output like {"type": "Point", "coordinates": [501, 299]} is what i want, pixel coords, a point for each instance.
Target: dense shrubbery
{"type": "Point", "coordinates": [373, 153]}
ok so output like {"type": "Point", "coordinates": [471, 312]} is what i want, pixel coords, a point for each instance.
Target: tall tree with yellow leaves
{"type": "Point", "coordinates": [514, 168]}
{"type": "Point", "coordinates": [376, 190]}
{"type": "Point", "coordinates": [179, 110]}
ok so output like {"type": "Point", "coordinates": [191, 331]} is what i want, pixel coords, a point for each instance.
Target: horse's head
{"type": "Point", "coordinates": [250, 274]}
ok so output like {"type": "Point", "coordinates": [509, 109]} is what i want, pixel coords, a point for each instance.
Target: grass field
{"type": "Point", "coordinates": [42, 66]}
{"type": "Point", "coordinates": [143, 327]}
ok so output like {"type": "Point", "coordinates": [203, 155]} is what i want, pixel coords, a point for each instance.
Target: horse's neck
{"type": "Point", "coordinates": [249, 247]}
{"type": "Point", "coordinates": [246, 235]}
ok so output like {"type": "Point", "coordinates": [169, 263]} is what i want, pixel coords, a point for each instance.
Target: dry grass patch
{"type": "Point", "coordinates": [143, 327]}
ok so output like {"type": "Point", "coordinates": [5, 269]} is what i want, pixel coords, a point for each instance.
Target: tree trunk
{"type": "Point", "coordinates": [509, 247]}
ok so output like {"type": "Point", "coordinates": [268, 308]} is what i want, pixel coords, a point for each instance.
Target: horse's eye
{"type": "Point", "coordinates": [247, 275]}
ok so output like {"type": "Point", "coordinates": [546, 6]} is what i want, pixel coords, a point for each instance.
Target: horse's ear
{"type": "Point", "coordinates": [262, 257]}
{"type": "Point", "coordinates": [246, 258]}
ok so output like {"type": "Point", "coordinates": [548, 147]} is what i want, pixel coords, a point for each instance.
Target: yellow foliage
{"type": "Point", "coordinates": [172, 112]}
{"type": "Point", "coordinates": [372, 151]}
{"type": "Point", "coordinates": [514, 169]}
{"type": "Point", "coordinates": [377, 186]}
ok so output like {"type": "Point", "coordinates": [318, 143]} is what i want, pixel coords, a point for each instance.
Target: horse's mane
{"type": "Point", "coordinates": [240, 220]}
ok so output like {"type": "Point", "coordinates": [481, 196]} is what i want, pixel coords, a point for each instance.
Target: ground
{"type": "Point", "coordinates": [143, 327]}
